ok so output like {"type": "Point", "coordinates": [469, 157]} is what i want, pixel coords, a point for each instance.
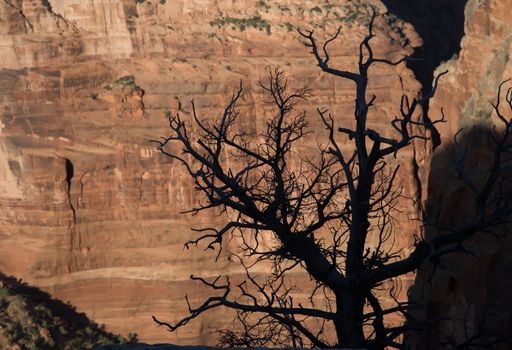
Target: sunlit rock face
{"type": "Point", "coordinates": [89, 211]}
{"type": "Point", "coordinates": [483, 63]}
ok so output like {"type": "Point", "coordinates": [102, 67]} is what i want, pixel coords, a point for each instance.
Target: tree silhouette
{"type": "Point", "coordinates": [319, 210]}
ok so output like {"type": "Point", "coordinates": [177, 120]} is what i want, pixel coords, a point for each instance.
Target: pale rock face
{"type": "Point", "coordinates": [89, 210]}
{"type": "Point", "coordinates": [481, 66]}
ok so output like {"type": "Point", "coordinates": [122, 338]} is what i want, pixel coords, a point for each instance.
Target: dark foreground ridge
{"type": "Point", "coordinates": [30, 319]}
{"type": "Point", "coordinates": [143, 346]}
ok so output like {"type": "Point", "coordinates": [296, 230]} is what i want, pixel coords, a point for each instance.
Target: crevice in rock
{"type": "Point", "coordinates": [28, 24]}
{"type": "Point", "coordinates": [440, 23]}
{"type": "Point", "coordinates": [418, 196]}
{"type": "Point", "coordinates": [70, 172]}
{"type": "Point", "coordinates": [142, 106]}
{"type": "Point", "coordinates": [47, 4]}
{"type": "Point", "coordinates": [131, 17]}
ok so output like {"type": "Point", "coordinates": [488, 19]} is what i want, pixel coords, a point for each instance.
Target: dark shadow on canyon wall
{"type": "Point", "coordinates": [467, 295]}
{"type": "Point", "coordinates": [440, 23]}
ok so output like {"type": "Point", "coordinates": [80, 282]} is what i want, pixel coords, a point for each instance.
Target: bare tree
{"type": "Point", "coordinates": [318, 212]}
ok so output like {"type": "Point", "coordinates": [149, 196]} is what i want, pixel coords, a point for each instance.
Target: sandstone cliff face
{"type": "Point", "coordinates": [89, 210]}
{"type": "Point", "coordinates": [483, 63]}
{"type": "Point", "coordinates": [91, 213]}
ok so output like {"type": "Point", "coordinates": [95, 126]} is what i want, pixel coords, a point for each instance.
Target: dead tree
{"type": "Point", "coordinates": [318, 212]}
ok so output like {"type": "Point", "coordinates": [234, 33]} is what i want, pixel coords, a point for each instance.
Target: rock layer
{"type": "Point", "coordinates": [89, 210]}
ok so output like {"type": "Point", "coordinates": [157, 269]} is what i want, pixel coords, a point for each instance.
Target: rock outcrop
{"type": "Point", "coordinates": [90, 212]}
{"type": "Point", "coordinates": [31, 319]}
{"type": "Point", "coordinates": [471, 290]}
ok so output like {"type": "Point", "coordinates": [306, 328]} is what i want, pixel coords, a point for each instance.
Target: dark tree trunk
{"type": "Point", "coordinates": [349, 325]}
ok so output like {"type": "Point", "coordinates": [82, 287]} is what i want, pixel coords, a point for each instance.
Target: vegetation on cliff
{"type": "Point", "coordinates": [31, 319]}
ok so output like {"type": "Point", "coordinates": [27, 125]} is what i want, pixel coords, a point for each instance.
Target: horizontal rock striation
{"type": "Point", "coordinates": [88, 210]}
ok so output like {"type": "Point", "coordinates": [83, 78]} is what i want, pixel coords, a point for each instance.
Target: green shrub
{"type": "Point", "coordinates": [242, 24]}
{"type": "Point", "coordinates": [127, 80]}
{"type": "Point", "coordinates": [264, 5]}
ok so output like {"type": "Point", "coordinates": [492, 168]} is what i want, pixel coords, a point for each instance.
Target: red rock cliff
{"type": "Point", "coordinates": [88, 210]}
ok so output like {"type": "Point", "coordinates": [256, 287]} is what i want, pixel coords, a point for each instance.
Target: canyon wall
{"type": "Point", "coordinates": [470, 292]}
{"type": "Point", "coordinates": [90, 212]}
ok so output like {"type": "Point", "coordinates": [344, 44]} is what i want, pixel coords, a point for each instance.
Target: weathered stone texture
{"type": "Point", "coordinates": [88, 210]}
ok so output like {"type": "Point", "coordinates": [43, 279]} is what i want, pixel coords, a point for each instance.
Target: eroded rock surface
{"type": "Point", "coordinates": [90, 212]}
